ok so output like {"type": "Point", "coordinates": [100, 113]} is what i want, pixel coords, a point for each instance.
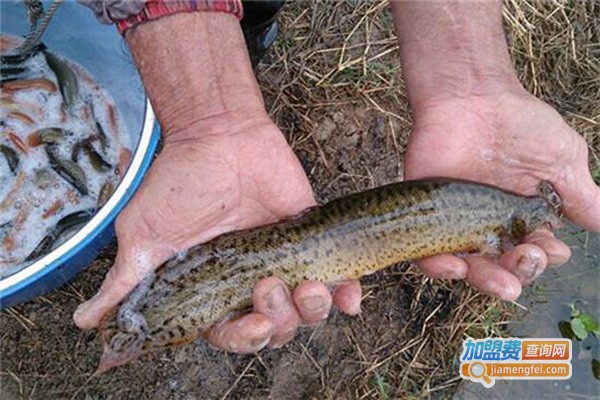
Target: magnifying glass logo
{"type": "Point", "coordinates": [478, 370]}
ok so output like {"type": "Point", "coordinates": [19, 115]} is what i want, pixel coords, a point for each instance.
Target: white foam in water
{"type": "Point", "coordinates": [25, 210]}
{"type": "Point", "coordinates": [143, 262]}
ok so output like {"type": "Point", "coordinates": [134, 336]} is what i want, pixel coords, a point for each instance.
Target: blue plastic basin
{"type": "Point", "coordinates": [75, 34]}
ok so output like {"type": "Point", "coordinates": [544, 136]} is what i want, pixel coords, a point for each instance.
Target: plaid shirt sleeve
{"type": "Point", "coordinates": [128, 13]}
{"type": "Point", "coordinates": [155, 9]}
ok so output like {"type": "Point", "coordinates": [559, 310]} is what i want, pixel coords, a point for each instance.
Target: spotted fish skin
{"type": "Point", "coordinates": [347, 238]}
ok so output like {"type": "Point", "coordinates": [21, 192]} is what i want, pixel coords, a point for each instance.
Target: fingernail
{"type": "Point", "coordinates": [240, 323]}
{"type": "Point", "coordinates": [559, 254]}
{"type": "Point", "coordinates": [278, 299]}
{"type": "Point", "coordinates": [84, 307]}
{"type": "Point", "coordinates": [529, 265]}
{"type": "Point", "coordinates": [355, 310]}
{"type": "Point", "coordinates": [506, 292]}
{"type": "Point", "coordinates": [313, 304]}
{"type": "Point", "coordinates": [80, 309]}
{"type": "Point", "coordinates": [453, 275]}
{"type": "Point", "coordinates": [233, 345]}
{"type": "Point", "coordinates": [250, 344]}
{"type": "Point", "coordinates": [510, 293]}
{"type": "Point", "coordinates": [259, 343]}
{"type": "Point", "coordinates": [555, 261]}
{"type": "Point", "coordinates": [502, 291]}
{"type": "Point", "coordinates": [282, 339]}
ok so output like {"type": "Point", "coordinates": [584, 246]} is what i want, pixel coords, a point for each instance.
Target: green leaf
{"type": "Point", "coordinates": [579, 328]}
{"type": "Point", "coordinates": [574, 311]}
{"type": "Point", "coordinates": [382, 386]}
{"type": "Point", "coordinates": [596, 368]}
{"type": "Point", "coordinates": [565, 329]}
{"type": "Point", "coordinates": [588, 322]}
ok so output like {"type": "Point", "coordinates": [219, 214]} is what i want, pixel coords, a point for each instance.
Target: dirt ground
{"type": "Point", "coordinates": [332, 83]}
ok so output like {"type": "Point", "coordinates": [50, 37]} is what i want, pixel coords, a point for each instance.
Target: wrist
{"type": "Point", "coordinates": [196, 71]}
{"type": "Point", "coordinates": [223, 128]}
{"type": "Point", "coordinates": [452, 50]}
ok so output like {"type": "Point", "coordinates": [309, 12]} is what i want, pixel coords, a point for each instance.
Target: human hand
{"type": "Point", "coordinates": [198, 189]}
{"type": "Point", "coordinates": [511, 140]}
{"type": "Point", "coordinates": [473, 120]}
{"type": "Point", "coordinates": [224, 166]}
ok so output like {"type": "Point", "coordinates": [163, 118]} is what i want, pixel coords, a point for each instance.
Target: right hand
{"type": "Point", "coordinates": [514, 141]}
{"type": "Point", "coordinates": [237, 177]}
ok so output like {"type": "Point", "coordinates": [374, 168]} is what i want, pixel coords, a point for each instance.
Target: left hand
{"type": "Point", "coordinates": [239, 176]}
{"type": "Point", "coordinates": [511, 140]}
{"type": "Point", "coordinates": [225, 166]}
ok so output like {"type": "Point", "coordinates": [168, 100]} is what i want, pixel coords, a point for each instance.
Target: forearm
{"type": "Point", "coordinates": [196, 70]}
{"type": "Point", "coordinates": [452, 49]}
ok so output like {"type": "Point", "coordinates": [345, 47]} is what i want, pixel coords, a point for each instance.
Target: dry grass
{"type": "Point", "coordinates": [556, 49]}
{"type": "Point", "coordinates": [334, 55]}
{"type": "Point", "coordinates": [336, 66]}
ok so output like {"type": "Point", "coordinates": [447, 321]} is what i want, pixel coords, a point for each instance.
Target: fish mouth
{"type": "Point", "coordinates": [553, 223]}
{"type": "Point", "coordinates": [111, 359]}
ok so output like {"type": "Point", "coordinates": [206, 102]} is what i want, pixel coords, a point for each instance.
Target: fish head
{"type": "Point", "coordinates": [119, 345]}
{"type": "Point", "coordinates": [536, 213]}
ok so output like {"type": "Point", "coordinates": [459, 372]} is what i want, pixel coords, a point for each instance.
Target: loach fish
{"type": "Point", "coordinates": [67, 80]}
{"type": "Point", "coordinates": [347, 238]}
{"type": "Point", "coordinates": [67, 223]}
{"type": "Point", "coordinates": [67, 169]}
{"type": "Point", "coordinates": [11, 157]}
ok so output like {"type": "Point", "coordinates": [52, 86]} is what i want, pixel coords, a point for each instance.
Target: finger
{"type": "Point", "coordinates": [120, 280]}
{"type": "Point", "coordinates": [272, 298]}
{"type": "Point", "coordinates": [313, 301]}
{"type": "Point", "coordinates": [492, 278]}
{"type": "Point", "coordinates": [558, 253]}
{"type": "Point", "coordinates": [581, 198]}
{"type": "Point", "coordinates": [247, 334]}
{"type": "Point", "coordinates": [525, 261]}
{"type": "Point", "coordinates": [347, 297]}
{"type": "Point", "coordinates": [444, 266]}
